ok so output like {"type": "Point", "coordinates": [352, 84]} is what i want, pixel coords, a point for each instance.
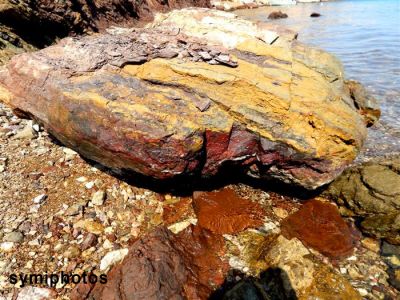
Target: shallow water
{"type": "Point", "coordinates": [365, 35]}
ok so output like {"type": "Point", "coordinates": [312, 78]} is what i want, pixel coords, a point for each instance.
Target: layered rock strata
{"type": "Point", "coordinates": [196, 91]}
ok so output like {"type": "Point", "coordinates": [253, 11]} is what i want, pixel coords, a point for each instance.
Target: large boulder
{"type": "Point", "coordinates": [194, 92]}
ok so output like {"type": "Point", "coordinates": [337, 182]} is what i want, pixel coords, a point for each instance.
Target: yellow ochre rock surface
{"type": "Point", "coordinates": [195, 91]}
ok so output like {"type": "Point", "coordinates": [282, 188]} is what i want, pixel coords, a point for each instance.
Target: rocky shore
{"type": "Point", "coordinates": [231, 5]}
{"type": "Point", "coordinates": [198, 156]}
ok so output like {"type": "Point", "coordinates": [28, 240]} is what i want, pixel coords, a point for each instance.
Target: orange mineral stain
{"type": "Point", "coordinates": [224, 212]}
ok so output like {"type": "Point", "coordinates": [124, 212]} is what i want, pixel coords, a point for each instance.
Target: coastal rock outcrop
{"type": "Point", "coordinates": [196, 91]}
{"type": "Point", "coordinates": [371, 191]}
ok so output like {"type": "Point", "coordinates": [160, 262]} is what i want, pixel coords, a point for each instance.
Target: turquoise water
{"type": "Point", "coordinates": [365, 35]}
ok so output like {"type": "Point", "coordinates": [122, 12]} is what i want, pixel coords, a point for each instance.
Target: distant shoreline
{"type": "Point", "coordinates": [251, 4]}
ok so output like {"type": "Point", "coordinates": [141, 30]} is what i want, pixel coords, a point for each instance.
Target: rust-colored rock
{"type": "Point", "coordinates": [319, 225]}
{"type": "Point", "coordinates": [202, 252]}
{"type": "Point", "coordinates": [164, 266]}
{"type": "Point", "coordinates": [190, 95]}
{"type": "Point", "coordinates": [224, 211]}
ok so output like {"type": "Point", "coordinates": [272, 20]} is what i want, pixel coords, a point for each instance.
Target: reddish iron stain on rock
{"type": "Point", "coordinates": [201, 251]}
{"type": "Point", "coordinates": [178, 211]}
{"type": "Point", "coordinates": [167, 266]}
{"type": "Point", "coordinates": [320, 226]}
{"type": "Point", "coordinates": [225, 212]}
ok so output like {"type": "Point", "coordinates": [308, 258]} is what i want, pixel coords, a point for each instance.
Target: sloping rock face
{"type": "Point", "coordinates": [196, 91]}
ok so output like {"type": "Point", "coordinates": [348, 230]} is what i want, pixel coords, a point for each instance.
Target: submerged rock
{"type": "Point", "coordinates": [319, 225]}
{"type": "Point", "coordinates": [315, 15]}
{"type": "Point", "coordinates": [306, 276]}
{"type": "Point", "coordinates": [277, 15]}
{"type": "Point", "coordinates": [366, 104]}
{"type": "Point", "coordinates": [151, 100]}
{"type": "Point", "coordinates": [225, 212]}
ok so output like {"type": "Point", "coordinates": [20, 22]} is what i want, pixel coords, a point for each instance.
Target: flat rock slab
{"type": "Point", "coordinates": [175, 100]}
{"type": "Point", "coordinates": [319, 225]}
{"type": "Point", "coordinates": [225, 212]}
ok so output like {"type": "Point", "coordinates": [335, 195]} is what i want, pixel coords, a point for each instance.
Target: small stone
{"type": "Point", "coordinates": [354, 273]}
{"type": "Point", "coordinates": [69, 154]}
{"type": "Point", "coordinates": [90, 226]}
{"type": "Point", "coordinates": [280, 212]}
{"type": "Point", "coordinates": [6, 246]}
{"type": "Point", "coordinates": [39, 199]}
{"type": "Point", "coordinates": [14, 237]}
{"type": "Point", "coordinates": [371, 244]}
{"type": "Point", "coordinates": [363, 292]}
{"type": "Point", "coordinates": [72, 252]}
{"type": "Point", "coordinates": [73, 210]}
{"type": "Point", "coordinates": [205, 55]}
{"type": "Point", "coordinates": [36, 293]}
{"type": "Point", "coordinates": [25, 134]}
{"type": "Point", "coordinates": [113, 257]}
{"type": "Point", "coordinates": [89, 241]}
{"type": "Point", "coordinates": [107, 244]}
{"type": "Point", "coordinates": [89, 185]}
{"type": "Point", "coordinates": [98, 198]}
{"type": "Point", "coordinates": [36, 127]}
{"type": "Point", "coordinates": [81, 179]}
{"type": "Point", "coordinates": [394, 261]}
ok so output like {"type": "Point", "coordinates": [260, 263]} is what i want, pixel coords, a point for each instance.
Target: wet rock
{"type": "Point", "coordinates": [394, 278]}
{"type": "Point", "coordinates": [364, 102]}
{"type": "Point", "coordinates": [14, 237]}
{"type": "Point", "coordinates": [383, 226]}
{"type": "Point", "coordinates": [371, 191]}
{"type": "Point", "coordinates": [315, 15]}
{"type": "Point", "coordinates": [370, 188]}
{"type": "Point", "coordinates": [371, 244]}
{"type": "Point", "coordinates": [277, 15]}
{"type": "Point", "coordinates": [226, 212]}
{"type": "Point", "coordinates": [319, 225]}
{"type": "Point", "coordinates": [306, 276]}
{"type": "Point", "coordinates": [162, 265]}
{"type": "Point", "coordinates": [388, 250]}
{"type": "Point", "coordinates": [308, 144]}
